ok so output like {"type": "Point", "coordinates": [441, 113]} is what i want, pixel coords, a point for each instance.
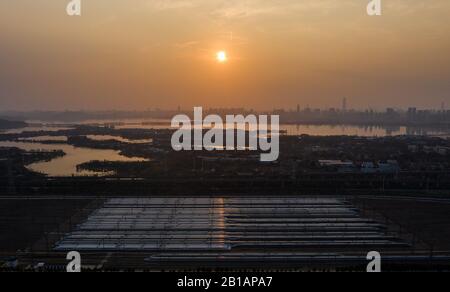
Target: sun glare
{"type": "Point", "coordinates": [222, 57]}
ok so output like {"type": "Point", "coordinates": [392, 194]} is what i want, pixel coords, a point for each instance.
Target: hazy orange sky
{"type": "Point", "coordinates": [140, 54]}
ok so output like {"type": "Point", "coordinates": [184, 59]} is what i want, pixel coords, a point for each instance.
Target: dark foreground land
{"type": "Point", "coordinates": [230, 233]}
{"type": "Point", "coordinates": [323, 205]}
{"type": "Point", "coordinates": [426, 218]}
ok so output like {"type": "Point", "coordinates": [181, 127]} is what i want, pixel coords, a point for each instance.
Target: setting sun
{"type": "Point", "coordinates": [222, 57]}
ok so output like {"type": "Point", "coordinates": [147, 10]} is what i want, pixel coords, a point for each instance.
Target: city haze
{"type": "Point", "coordinates": [146, 54]}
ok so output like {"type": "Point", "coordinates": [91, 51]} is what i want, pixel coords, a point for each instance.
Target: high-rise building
{"type": "Point", "coordinates": [344, 104]}
{"type": "Point", "coordinates": [412, 114]}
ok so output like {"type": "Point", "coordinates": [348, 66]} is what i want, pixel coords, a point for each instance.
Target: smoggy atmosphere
{"type": "Point", "coordinates": [260, 54]}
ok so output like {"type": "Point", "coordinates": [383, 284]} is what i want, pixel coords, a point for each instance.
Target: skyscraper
{"type": "Point", "coordinates": [344, 104]}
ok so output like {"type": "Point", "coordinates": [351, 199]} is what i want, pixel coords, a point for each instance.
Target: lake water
{"type": "Point", "coordinates": [118, 138]}
{"type": "Point", "coordinates": [35, 128]}
{"type": "Point", "coordinates": [67, 165]}
{"type": "Point", "coordinates": [45, 138]}
{"type": "Point", "coordinates": [323, 130]}
{"type": "Point", "coordinates": [295, 130]}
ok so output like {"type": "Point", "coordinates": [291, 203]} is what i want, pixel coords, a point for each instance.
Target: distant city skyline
{"type": "Point", "coordinates": [390, 116]}
{"type": "Point", "coordinates": [340, 105]}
